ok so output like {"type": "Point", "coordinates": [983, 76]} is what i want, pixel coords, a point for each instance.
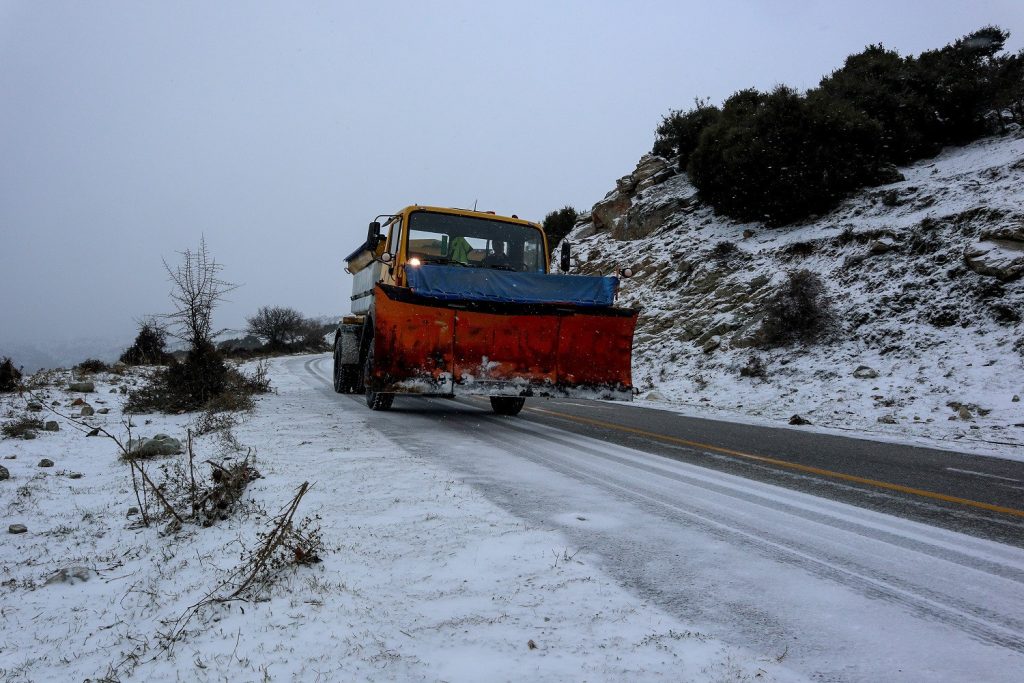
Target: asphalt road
{"type": "Point", "coordinates": [847, 558]}
{"type": "Point", "coordinates": [974, 494]}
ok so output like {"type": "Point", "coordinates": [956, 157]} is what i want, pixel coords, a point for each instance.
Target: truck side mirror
{"type": "Point", "coordinates": [373, 236]}
{"type": "Point", "coordinates": [564, 265]}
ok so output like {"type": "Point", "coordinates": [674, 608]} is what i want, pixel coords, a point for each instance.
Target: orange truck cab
{"type": "Point", "coordinates": [450, 302]}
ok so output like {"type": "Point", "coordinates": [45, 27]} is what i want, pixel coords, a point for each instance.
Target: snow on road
{"type": "Point", "coordinates": [425, 578]}
{"type": "Point", "coordinates": [847, 593]}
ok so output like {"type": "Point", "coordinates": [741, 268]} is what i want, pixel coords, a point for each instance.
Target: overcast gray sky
{"type": "Point", "coordinates": [278, 130]}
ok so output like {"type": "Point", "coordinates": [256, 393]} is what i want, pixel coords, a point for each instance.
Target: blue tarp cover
{"type": "Point", "coordinates": [458, 283]}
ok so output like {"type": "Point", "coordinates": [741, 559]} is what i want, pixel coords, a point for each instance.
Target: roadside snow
{"type": "Point", "coordinates": [423, 579]}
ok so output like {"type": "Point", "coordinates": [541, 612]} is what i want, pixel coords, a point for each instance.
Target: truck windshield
{"type": "Point", "coordinates": [476, 242]}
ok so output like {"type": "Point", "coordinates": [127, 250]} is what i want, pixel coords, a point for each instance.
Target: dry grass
{"type": "Point", "coordinates": [24, 427]}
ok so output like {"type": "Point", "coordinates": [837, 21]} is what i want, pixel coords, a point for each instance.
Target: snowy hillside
{"type": "Point", "coordinates": [924, 276]}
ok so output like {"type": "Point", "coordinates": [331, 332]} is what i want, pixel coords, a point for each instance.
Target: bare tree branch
{"type": "Point", "coordinates": [196, 289]}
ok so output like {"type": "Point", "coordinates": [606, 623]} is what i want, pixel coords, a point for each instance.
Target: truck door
{"type": "Point", "coordinates": [395, 275]}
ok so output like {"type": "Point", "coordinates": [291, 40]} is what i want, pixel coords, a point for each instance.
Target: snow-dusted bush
{"type": "Point", "coordinates": [679, 132]}
{"type": "Point", "coordinates": [149, 347]}
{"type": "Point", "coordinates": [782, 156]}
{"type": "Point", "coordinates": [10, 376]}
{"type": "Point", "coordinates": [557, 224]}
{"type": "Point", "coordinates": [779, 157]}
{"type": "Point", "coordinates": [799, 312]}
{"type": "Point", "coordinates": [92, 365]}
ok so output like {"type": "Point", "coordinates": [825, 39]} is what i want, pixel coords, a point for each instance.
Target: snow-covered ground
{"type": "Point", "coordinates": [943, 345]}
{"type": "Point", "coordinates": [423, 577]}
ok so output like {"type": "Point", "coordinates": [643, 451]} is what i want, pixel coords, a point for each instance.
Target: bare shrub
{"type": "Point", "coordinates": [724, 250]}
{"type": "Point", "coordinates": [202, 382]}
{"type": "Point", "coordinates": [182, 386]}
{"type": "Point", "coordinates": [798, 250]}
{"type": "Point", "coordinates": [754, 368]}
{"type": "Point", "coordinates": [210, 422]}
{"type": "Point", "coordinates": [799, 312]}
{"type": "Point", "coordinates": [279, 325]}
{"type": "Point", "coordinates": [847, 236]}
{"type": "Point", "coordinates": [24, 427]}
{"type": "Point", "coordinates": [285, 544]}
{"type": "Point", "coordinates": [91, 366]}
{"type": "Point", "coordinates": [196, 289]}
{"type": "Point", "coordinates": [205, 503]}
{"type": "Point", "coordinates": [191, 384]}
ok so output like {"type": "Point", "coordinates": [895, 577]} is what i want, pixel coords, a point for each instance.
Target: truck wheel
{"type": "Point", "coordinates": [339, 371]}
{"type": "Point", "coordinates": [507, 405]}
{"type": "Point", "coordinates": [375, 399]}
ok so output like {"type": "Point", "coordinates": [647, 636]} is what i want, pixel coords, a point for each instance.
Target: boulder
{"type": "Point", "coordinates": [887, 419]}
{"type": "Point", "coordinates": [161, 444]}
{"type": "Point", "coordinates": [52, 426]}
{"type": "Point", "coordinates": [74, 475]}
{"type": "Point", "coordinates": [1013, 233]}
{"type": "Point", "coordinates": [35, 406]}
{"type": "Point", "coordinates": [864, 372]}
{"type": "Point", "coordinates": [4, 473]}
{"type": "Point", "coordinates": [17, 529]}
{"type": "Point", "coordinates": [103, 411]}
{"type": "Point", "coordinates": [998, 258]}
{"type": "Point", "coordinates": [84, 387]}
{"type": "Point", "coordinates": [882, 246]}
{"type": "Point", "coordinates": [70, 575]}
{"type": "Point", "coordinates": [797, 420]}
{"type": "Point", "coordinates": [963, 413]}
{"type": "Point", "coordinates": [87, 410]}
{"type": "Point", "coordinates": [711, 344]}
{"type": "Point", "coordinates": [46, 462]}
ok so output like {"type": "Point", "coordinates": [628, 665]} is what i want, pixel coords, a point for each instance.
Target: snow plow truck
{"type": "Point", "coordinates": [451, 302]}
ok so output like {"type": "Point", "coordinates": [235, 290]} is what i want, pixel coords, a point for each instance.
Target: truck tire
{"type": "Point", "coordinates": [346, 375]}
{"type": "Point", "coordinates": [339, 374]}
{"type": "Point", "coordinates": [507, 405]}
{"type": "Point", "coordinates": [376, 400]}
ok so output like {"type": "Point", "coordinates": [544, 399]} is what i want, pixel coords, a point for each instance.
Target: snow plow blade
{"type": "Point", "coordinates": [486, 348]}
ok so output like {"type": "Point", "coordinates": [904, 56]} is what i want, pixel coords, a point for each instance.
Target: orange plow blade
{"type": "Point", "coordinates": [424, 346]}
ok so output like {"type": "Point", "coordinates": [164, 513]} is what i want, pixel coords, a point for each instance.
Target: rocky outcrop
{"type": "Point", "coordinates": [618, 213]}
{"type": "Point", "coordinates": [1002, 259]}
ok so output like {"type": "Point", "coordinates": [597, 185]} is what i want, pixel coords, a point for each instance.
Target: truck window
{"type": "Point", "coordinates": [395, 236]}
{"type": "Point", "coordinates": [475, 242]}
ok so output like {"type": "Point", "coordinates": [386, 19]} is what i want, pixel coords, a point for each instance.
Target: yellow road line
{"type": "Point", "coordinates": [789, 465]}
